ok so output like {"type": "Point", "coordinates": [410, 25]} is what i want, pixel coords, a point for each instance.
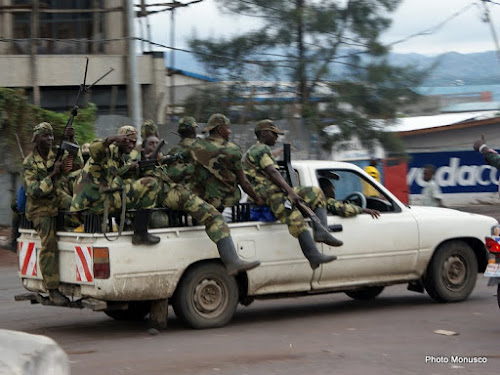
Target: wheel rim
{"type": "Point", "coordinates": [455, 272]}
{"type": "Point", "coordinates": [210, 297]}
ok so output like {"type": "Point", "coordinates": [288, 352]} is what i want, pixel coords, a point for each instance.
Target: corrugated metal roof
{"type": "Point", "coordinates": [427, 122]}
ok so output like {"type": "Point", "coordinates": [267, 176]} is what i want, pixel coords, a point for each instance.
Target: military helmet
{"type": "Point", "coordinates": [215, 120]}
{"type": "Point", "coordinates": [43, 127]}
{"type": "Point", "coordinates": [268, 125]}
{"type": "Point", "coordinates": [127, 130]}
{"type": "Point", "coordinates": [148, 129]}
{"type": "Point", "coordinates": [186, 123]}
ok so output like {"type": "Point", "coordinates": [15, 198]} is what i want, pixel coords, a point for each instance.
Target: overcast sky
{"type": "Point", "coordinates": [452, 25]}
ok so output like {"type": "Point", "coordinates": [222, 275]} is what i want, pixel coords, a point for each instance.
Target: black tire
{"type": "Point", "coordinates": [365, 293]}
{"type": "Point", "coordinates": [137, 311]}
{"type": "Point", "coordinates": [452, 272]}
{"type": "Point", "coordinates": [498, 295]}
{"type": "Point", "coordinates": [206, 297]}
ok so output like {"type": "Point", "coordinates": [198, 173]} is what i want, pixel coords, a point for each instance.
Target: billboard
{"type": "Point", "coordinates": [456, 172]}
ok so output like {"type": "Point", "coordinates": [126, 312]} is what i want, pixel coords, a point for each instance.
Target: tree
{"type": "Point", "coordinates": [313, 42]}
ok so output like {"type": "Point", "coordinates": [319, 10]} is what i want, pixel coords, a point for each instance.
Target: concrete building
{"type": "Point", "coordinates": [43, 47]}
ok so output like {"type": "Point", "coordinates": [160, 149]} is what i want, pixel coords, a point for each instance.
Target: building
{"type": "Point", "coordinates": [43, 47]}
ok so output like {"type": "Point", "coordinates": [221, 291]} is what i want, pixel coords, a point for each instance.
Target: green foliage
{"type": "Point", "coordinates": [18, 116]}
{"type": "Point", "coordinates": [318, 42]}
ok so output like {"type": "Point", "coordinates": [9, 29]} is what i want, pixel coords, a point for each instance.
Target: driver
{"type": "Point", "coordinates": [340, 208]}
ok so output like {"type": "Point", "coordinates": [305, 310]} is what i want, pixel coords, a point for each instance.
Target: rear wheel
{"type": "Point", "coordinates": [366, 293]}
{"type": "Point", "coordinates": [137, 311]}
{"type": "Point", "coordinates": [206, 297]}
{"type": "Point", "coordinates": [452, 272]}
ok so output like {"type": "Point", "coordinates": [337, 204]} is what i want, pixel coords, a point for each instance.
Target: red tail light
{"type": "Point", "coordinates": [101, 263]}
{"type": "Point", "coordinates": [492, 245]}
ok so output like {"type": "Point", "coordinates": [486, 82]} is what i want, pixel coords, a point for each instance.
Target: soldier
{"type": "Point", "coordinates": [111, 174]}
{"type": "Point", "coordinates": [261, 169]}
{"type": "Point", "coordinates": [340, 208]}
{"type": "Point", "coordinates": [43, 201]}
{"type": "Point", "coordinates": [182, 169]}
{"type": "Point", "coordinates": [218, 166]}
{"type": "Point", "coordinates": [178, 197]}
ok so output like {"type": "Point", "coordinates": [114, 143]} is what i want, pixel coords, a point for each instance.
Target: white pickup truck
{"type": "Point", "coordinates": [441, 250]}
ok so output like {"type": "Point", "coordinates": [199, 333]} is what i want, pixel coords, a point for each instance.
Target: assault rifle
{"type": "Point", "coordinates": [152, 160]}
{"type": "Point", "coordinates": [65, 145]}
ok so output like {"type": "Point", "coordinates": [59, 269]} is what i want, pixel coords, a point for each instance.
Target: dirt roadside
{"type": "Point", "coordinates": [9, 259]}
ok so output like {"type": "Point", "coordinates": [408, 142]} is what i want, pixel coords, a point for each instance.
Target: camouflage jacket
{"type": "Point", "coordinates": [256, 160]}
{"type": "Point", "coordinates": [182, 170]}
{"type": "Point", "coordinates": [41, 190]}
{"type": "Point", "coordinates": [216, 164]}
{"type": "Point", "coordinates": [342, 209]}
{"type": "Point", "coordinates": [107, 168]}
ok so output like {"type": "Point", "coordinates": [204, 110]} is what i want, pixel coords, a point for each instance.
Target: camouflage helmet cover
{"type": "Point", "coordinates": [268, 125]}
{"type": "Point", "coordinates": [43, 127]}
{"type": "Point", "coordinates": [127, 130]}
{"type": "Point", "coordinates": [149, 128]}
{"type": "Point", "coordinates": [215, 120]}
{"type": "Point", "coordinates": [186, 123]}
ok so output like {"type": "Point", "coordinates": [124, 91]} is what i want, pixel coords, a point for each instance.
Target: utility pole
{"type": "Point", "coordinates": [133, 83]}
{"type": "Point", "coordinates": [487, 19]}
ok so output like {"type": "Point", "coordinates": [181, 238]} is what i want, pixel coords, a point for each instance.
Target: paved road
{"type": "Point", "coordinates": [328, 334]}
{"type": "Point", "coordinates": [315, 335]}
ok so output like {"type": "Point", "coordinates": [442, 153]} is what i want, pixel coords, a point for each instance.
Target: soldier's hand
{"type": "Point", "coordinates": [293, 196]}
{"type": "Point", "coordinates": [57, 169]}
{"type": "Point", "coordinates": [374, 213]}
{"type": "Point", "coordinates": [260, 201]}
{"type": "Point", "coordinates": [134, 166]}
{"type": "Point", "coordinates": [69, 133]}
{"type": "Point", "coordinates": [478, 144]}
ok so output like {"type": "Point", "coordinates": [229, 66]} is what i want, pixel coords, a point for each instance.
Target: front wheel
{"type": "Point", "coordinates": [206, 297]}
{"type": "Point", "coordinates": [498, 295]}
{"type": "Point", "coordinates": [452, 272]}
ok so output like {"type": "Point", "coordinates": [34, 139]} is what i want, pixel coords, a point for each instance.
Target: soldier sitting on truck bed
{"type": "Point", "coordinates": [44, 198]}
{"type": "Point", "coordinates": [261, 169]}
{"type": "Point", "coordinates": [178, 197]}
{"type": "Point", "coordinates": [110, 175]}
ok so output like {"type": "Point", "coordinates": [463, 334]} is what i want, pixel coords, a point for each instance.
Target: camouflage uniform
{"type": "Point", "coordinates": [342, 209]}
{"type": "Point", "coordinates": [182, 170]}
{"type": "Point", "coordinates": [256, 159]}
{"type": "Point", "coordinates": [43, 201]}
{"type": "Point", "coordinates": [217, 162]}
{"type": "Point", "coordinates": [178, 197]}
{"type": "Point", "coordinates": [109, 169]}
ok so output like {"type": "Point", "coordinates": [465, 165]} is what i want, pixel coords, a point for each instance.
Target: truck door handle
{"type": "Point", "coordinates": [335, 228]}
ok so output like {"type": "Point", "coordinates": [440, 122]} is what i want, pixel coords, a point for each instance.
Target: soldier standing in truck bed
{"type": "Point", "coordinates": [44, 199]}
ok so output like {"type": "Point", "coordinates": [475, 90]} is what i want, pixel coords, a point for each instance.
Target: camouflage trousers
{"type": "Point", "coordinates": [292, 217]}
{"type": "Point", "coordinates": [177, 197]}
{"type": "Point", "coordinates": [48, 256]}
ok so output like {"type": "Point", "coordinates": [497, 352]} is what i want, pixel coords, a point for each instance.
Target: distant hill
{"type": "Point", "coordinates": [449, 69]}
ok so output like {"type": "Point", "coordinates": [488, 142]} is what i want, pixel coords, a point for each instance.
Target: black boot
{"type": "Point", "coordinates": [141, 234]}
{"type": "Point", "coordinates": [57, 298]}
{"type": "Point", "coordinates": [231, 259]}
{"type": "Point", "coordinates": [320, 225]}
{"type": "Point", "coordinates": [311, 252]}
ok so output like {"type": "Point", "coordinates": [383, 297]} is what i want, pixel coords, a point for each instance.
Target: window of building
{"type": "Point", "coordinates": [60, 32]}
